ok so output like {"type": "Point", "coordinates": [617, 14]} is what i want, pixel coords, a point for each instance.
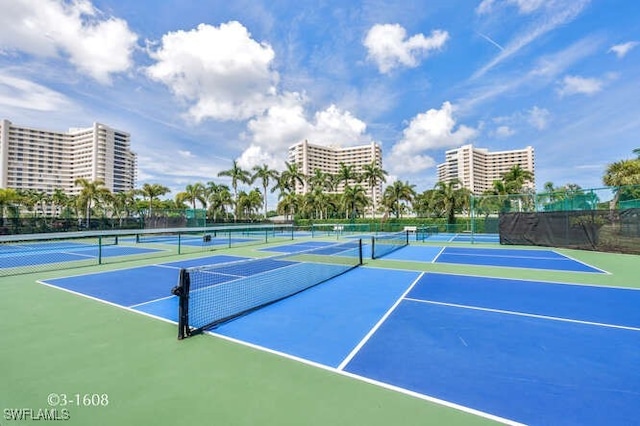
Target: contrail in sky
{"type": "Point", "coordinates": [490, 41]}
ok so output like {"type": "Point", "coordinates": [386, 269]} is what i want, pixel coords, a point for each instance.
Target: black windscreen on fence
{"type": "Point", "coordinates": [601, 230]}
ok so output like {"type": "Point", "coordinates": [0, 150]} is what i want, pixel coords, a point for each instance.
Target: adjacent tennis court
{"type": "Point", "coordinates": [13, 256]}
{"type": "Point", "coordinates": [508, 350]}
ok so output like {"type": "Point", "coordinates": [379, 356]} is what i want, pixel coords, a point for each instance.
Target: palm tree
{"type": "Point", "coordinates": [39, 199]}
{"type": "Point", "coordinates": [321, 180]}
{"type": "Point", "coordinates": [424, 204]}
{"type": "Point", "coordinates": [123, 204]}
{"type": "Point", "coordinates": [318, 201]}
{"type": "Point", "coordinates": [373, 174]}
{"type": "Point", "coordinates": [395, 194]}
{"type": "Point", "coordinates": [290, 201]}
{"type": "Point", "coordinates": [501, 190]}
{"type": "Point", "coordinates": [515, 179]}
{"type": "Point", "coordinates": [193, 193]}
{"type": "Point", "coordinates": [347, 174]}
{"type": "Point", "coordinates": [637, 152]}
{"type": "Point", "coordinates": [619, 174]}
{"type": "Point", "coordinates": [152, 191]}
{"type": "Point", "coordinates": [354, 199]}
{"type": "Point", "coordinates": [265, 174]}
{"type": "Point", "coordinates": [90, 193]}
{"type": "Point", "coordinates": [8, 198]}
{"type": "Point", "coordinates": [106, 204]}
{"type": "Point", "coordinates": [452, 198]}
{"type": "Point", "coordinates": [236, 174]}
{"type": "Point", "coordinates": [58, 200]}
{"type": "Point", "coordinates": [291, 177]}
{"type": "Point", "coordinates": [250, 202]}
{"type": "Point", "coordinates": [219, 197]}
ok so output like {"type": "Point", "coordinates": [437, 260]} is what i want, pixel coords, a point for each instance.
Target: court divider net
{"type": "Point", "coordinates": [212, 295]}
{"type": "Point", "coordinates": [384, 244]}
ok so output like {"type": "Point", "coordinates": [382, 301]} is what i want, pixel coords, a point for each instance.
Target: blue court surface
{"type": "Point", "coordinates": [42, 254]}
{"type": "Point", "coordinates": [196, 241]}
{"type": "Point", "coordinates": [526, 351]}
{"type": "Point", "coordinates": [297, 247]}
{"type": "Point", "coordinates": [498, 257]}
{"type": "Point", "coordinates": [463, 238]}
{"type": "Point", "coordinates": [316, 245]}
{"type": "Point", "coordinates": [514, 258]}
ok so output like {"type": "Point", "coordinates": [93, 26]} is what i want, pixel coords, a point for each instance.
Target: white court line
{"type": "Point", "coordinates": [364, 340]}
{"type": "Point", "coordinates": [522, 314]}
{"type": "Point", "coordinates": [510, 256]}
{"type": "Point", "coordinates": [580, 261]}
{"type": "Point", "coordinates": [438, 255]}
{"type": "Point", "coordinates": [77, 254]}
{"type": "Point", "coordinates": [151, 301]}
{"type": "Point", "coordinates": [106, 302]}
{"type": "Point", "coordinates": [527, 280]}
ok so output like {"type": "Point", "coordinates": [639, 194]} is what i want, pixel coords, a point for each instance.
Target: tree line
{"type": "Point", "coordinates": [344, 195]}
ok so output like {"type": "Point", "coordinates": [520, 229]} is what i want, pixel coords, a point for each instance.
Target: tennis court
{"type": "Point", "coordinates": [508, 350]}
{"type": "Point", "coordinates": [538, 259]}
{"type": "Point", "coordinates": [13, 256]}
{"type": "Point", "coordinates": [204, 240]}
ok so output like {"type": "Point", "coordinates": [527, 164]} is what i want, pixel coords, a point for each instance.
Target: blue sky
{"type": "Point", "coordinates": [201, 83]}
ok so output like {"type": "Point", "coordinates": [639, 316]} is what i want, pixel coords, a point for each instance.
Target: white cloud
{"type": "Point", "coordinates": [388, 46]}
{"type": "Point", "coordinates": [16, 92]}
{"type": "Point", "coordinates": [538, 117]}
{"type": "Point", "coordinates": [281, 125]}
{"type": "Point", "coordinates": [573, 85]}
{"type": "Point", "coordinates": [485, 7]}
{"type": "Point", "coordinates": [524, 6]}
{"type": "Point", "coordinates": [504, 132]}
{"type": "Point", "coordinates": [509, 125]}
{"type": "Point", "coordinates": [622, 49]}
{"type": "Point", "coordinates": [221, 71]}
{"type": "Point", "coordinates": [95, 44]}
{"type": "Point", "coordinates": [256, 156]}
{"type": "Point", "coordinates": [285, 124]}
{"type": "Point", "coordinates": [433, 129]}
{"type": "Point", "coordinates": [336, 127]}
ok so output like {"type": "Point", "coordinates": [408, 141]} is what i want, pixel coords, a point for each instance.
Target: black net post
{"type": "Point", "coordinates": [373, 247]}
{"type": "Point", "coordinates": [100, 250]}
{"type": "Point", "coordinates": [182, 291]}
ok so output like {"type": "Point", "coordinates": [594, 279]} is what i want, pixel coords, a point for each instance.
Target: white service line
{"type": "Point", "coordinates": [523, 314]}
{"type": "Point", "coordinates": [364, 340]}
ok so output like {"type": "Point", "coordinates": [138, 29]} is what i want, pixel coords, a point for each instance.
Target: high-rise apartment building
{"type": "Point", "coordinates": [477, 168]}
{"type": "Point", "coordinates": [44, 160]}
{"type": "Point", "coordinates": [309, 157]}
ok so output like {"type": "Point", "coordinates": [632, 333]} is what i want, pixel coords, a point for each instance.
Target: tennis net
{"type": "Point", "coordinates": [212, 295]}
{"type": "Point", "coordinates": [384, 244]}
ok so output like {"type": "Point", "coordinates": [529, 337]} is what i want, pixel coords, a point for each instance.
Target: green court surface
{"type": "Point", "coordinates": [57, 342]}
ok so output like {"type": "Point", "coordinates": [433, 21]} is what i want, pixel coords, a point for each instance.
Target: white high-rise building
{"type": "Point", "coordinates": [309, 157]}
{"type": "Point", "coordinates": [477, 168]}
{"type": "Point", "coordinates": [45, 160]}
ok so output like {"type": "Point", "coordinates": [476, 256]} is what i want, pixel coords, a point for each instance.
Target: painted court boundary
{"type": "Point", "coordinates": [338, 370]}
